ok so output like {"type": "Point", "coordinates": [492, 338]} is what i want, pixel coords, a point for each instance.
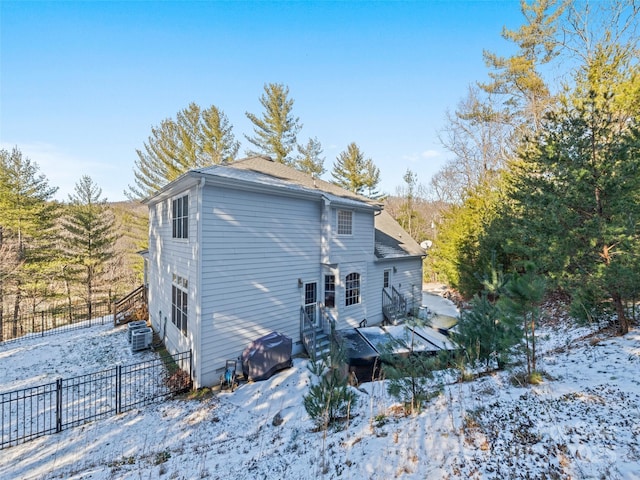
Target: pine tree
{"type": "Point", "coordinates": [276, 131]}
{"type": "Point", "coordinates": [310, 160]}
{"type": "Point", "coordinates": [27, 224]}
{"type": "Point", "coordinates": [371, 179]}
{"type": "Point", "coordinates": [518, 77]}
{"type": "Point", "coordinates": [196, 138]}
{"type": "Point", "coordinates": [485, 331]}
{"type": "Point", "coordinates": [218, 143]}
{"type": "Point", "coordinates": [521, 302]}
{"type": "Point", "coordinates": [575, 194]}
{"type": "Point", "coordinates": [89, 236]}
{"type": "Point", "coordinates": [410, 376]}
{"type": "Point", "coordinates": [353, 172]}
{"type": "Point", "coordinates": [330, 397]}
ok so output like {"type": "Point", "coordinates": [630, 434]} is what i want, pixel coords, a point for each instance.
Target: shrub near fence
{"type": "Point", "coordinates": [55, 319]}
{"type": "Point", "coordinates": [50, 408]}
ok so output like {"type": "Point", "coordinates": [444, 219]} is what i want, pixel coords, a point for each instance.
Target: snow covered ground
{"type": "Point", "coordinates": [582, 422]}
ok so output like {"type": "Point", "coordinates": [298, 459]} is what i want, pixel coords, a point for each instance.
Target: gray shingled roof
{"type": "Point", "coordinates": [266, 171]}
{"type": "Point", "coordinates": [391, 240]}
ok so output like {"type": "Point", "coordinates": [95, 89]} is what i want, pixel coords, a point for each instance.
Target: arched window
{"type": "Point", "coordinates": [352, 289]}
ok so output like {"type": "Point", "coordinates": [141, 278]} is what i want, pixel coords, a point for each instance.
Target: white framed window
{"type": "Point", "coordinates": [352, 289]}
{"type": "Point", "coordinates": [345, 222]}
{"type": "Point", "coordinates": [179, 302]}
{"type": "Point", "coordinates": [330, 291]}
{"type": "Point", "coordinates": [180, 217]}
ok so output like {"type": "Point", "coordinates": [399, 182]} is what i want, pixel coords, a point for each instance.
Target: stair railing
{"type": "Point", "coordinates": [328, 323]}
{"type": "Point", "coordinates": [308, 333]}
{"type": "Point", "coordinates": [137, 297]}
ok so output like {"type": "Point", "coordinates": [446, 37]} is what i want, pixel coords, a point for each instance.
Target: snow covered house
{"type": "Point", "coordinates": [243, 249]}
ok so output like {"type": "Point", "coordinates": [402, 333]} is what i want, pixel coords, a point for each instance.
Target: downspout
{"type": "Point", "coordinates": [325, 222]}
{"type": "Point", "coordinates": [196, 360]}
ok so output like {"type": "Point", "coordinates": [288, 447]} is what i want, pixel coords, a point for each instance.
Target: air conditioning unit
{"type": "Point", "coordinates": [133, 326]}
{"type": "Point", "coordinates": [141, 339]}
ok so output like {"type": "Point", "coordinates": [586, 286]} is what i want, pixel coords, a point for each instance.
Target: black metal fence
{"type": "Point", "coordinates": [55, 319]}
{"type": "Point", "coordinates": [50, 408]}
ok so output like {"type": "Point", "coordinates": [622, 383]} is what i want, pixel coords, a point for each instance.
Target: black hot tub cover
{"type": "Point", "coordinates": [266, 355]}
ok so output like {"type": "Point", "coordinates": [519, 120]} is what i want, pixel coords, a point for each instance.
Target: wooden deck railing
{"type": "Point", "coordinates": [124, 308]}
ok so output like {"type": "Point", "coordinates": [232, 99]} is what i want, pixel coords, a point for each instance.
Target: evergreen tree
{"type": "Point", "coordinates": [276, 131]}
{"type": "Point", "coordinates": [371, 179]}
{"type": "Point", "coordinates": [521, 302]}
{"type": "Point", "coordinates": [518, 77]}
{"type": "Point", "coordinates": [487, 334]}
{"type": "Point", "coordinates": [89, 236]}
{"type": "Point", "coordinates": [196, 138]}
{"type": "Point", "coordinates": [575, 202]}
{"type": "Point", "coordinates": [27, 225]}
{"type": "Point", "coordinates": [466, 244]}
{"type": "Point", "coordinates": [353, 172]}
{"type": "Point", "coordinates": [330, 397]}
{"type": "Point", "coordinates": [218, 143]}
{"type": "Point", "coordinates": [310, 160]}
{"type": "Point", "coordinates": [410, 377]}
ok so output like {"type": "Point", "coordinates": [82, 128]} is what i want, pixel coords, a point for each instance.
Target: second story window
{"type": "Point", "coordinates": [345, 222]}
{"type": "Point", "coordinates": [180, 217]}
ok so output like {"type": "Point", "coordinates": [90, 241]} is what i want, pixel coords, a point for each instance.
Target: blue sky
{"type": "Point", "coordinates": [82, 83]}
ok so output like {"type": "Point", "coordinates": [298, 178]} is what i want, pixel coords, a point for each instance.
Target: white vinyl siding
{"type": "Point", "coordinates": [243, 259]}
{"type": "Point", "coordinates": [166, 257]}
{"type": "Point", "coordinates": [255, 248]}
{"type": "Point", "coordinates": [407, 279]}
{"type": "Point", "coordinates": [358, 246]}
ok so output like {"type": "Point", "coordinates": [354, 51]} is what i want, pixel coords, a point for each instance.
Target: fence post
{"type": "Point", "coordinates": [42, 323]}
{"type": "Point", "coordinates": [190, 365]}
{"type": "Point", "coordinates": [58, 405]}
{"type": "Point", "coordinates": [118, 389]}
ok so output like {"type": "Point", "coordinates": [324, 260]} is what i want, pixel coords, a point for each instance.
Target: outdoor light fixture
{"type": "Point", "coordinates": [300, 283]}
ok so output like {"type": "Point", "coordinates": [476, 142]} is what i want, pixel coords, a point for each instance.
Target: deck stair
{"type": "Point", "coordinates": [394, 306]}
{"type": "Point", "coordinates": [132, 307]}
{"type": "Point", "coordinates": [317, 338]}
